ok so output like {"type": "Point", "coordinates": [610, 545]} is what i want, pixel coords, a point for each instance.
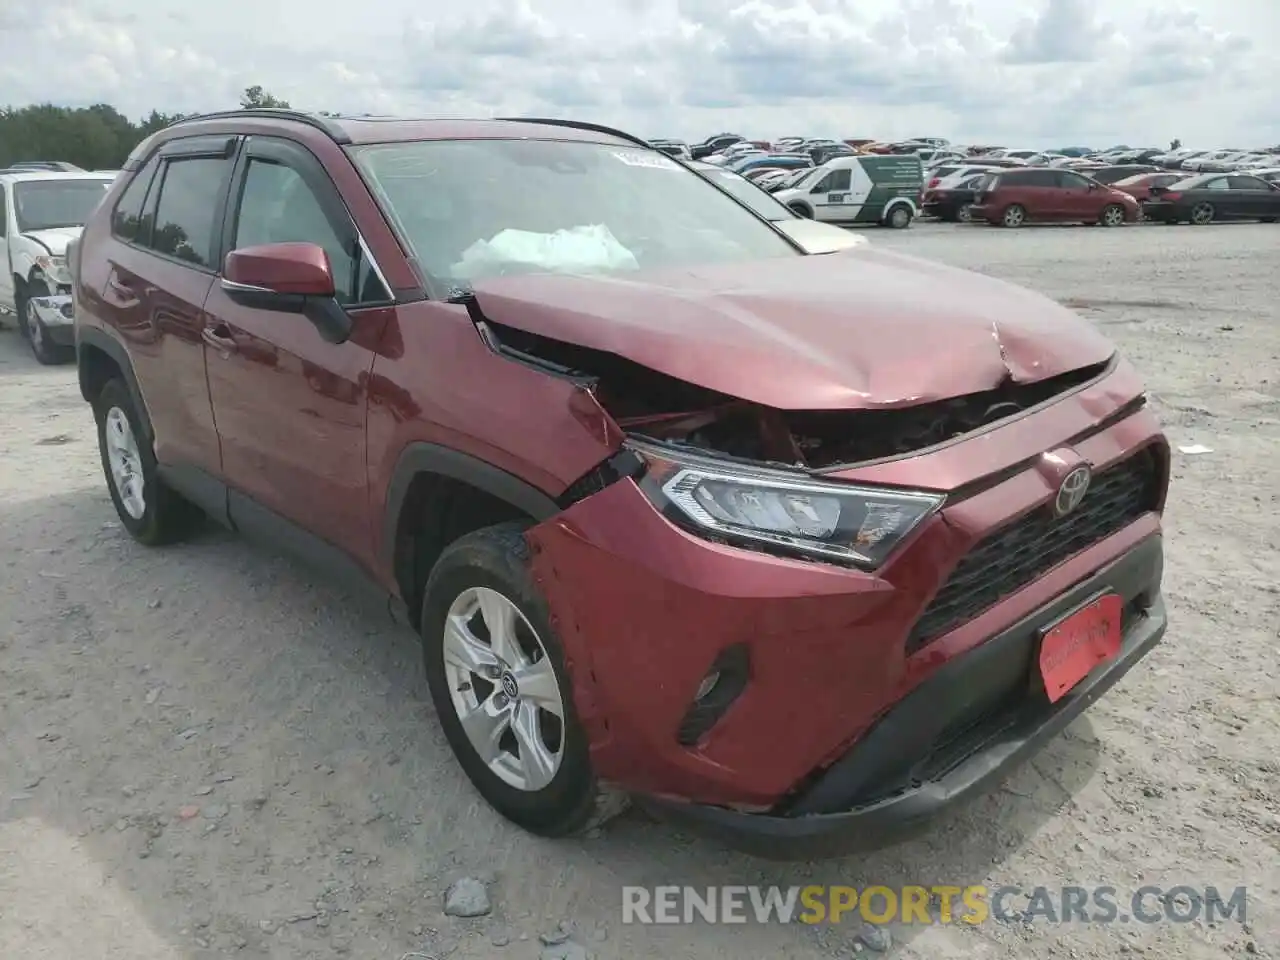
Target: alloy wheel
{"type": "Point", "coordinates": [504, 689]}
{"type": "Point", "coordinates": [1014, 216]}
{"type": "Point", "coordinates": [1113, 216]}
{"type": "Point", "coordinates": [125, 463]}
{"type": "Point", "coordinates": [1202, 213]}
{"type": "Point", "coordinates": [965, 213]}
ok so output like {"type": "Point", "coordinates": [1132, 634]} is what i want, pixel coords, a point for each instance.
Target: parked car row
{"type": "Point", "coordinates": [859, 180]}
{"type": "Point", "coordinates": [1011, 198]}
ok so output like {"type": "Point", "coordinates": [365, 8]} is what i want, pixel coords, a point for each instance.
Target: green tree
{"type": "Point", "coordinates": [255, 96]}
{"type": "Point", "coordinates": [97, 137]}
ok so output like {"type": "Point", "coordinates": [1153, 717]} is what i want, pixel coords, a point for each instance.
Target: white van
{"type": "Point", "coordinates": [867, 188]}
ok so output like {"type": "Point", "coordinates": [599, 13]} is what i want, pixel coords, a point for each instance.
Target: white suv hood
{"type": "Point", "coordinates": [56, 239]}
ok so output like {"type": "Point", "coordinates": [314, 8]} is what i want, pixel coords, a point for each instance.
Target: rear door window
{"type": "Point", "coordinates": [1246, 183]}
{"type": "Point", "coordinates": [190, 193]}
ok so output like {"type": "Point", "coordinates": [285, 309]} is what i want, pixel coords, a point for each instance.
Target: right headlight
{"type": "Point", "coordinates": [834, 521]}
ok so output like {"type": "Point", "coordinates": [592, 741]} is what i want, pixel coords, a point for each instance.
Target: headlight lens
{"type": "Point", "coordinates": [835, 521]}
{"type": "Point", "coordinates": [54, 266]}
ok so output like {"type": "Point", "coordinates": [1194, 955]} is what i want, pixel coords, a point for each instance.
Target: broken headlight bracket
{"type": "Point", "coordinates": [624, 463]}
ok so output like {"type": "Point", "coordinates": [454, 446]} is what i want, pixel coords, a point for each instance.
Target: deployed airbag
{"type": "Point", "coordinates": [586, 249]}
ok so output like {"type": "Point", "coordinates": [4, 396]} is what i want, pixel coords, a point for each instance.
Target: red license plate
{"type": "Point", "coordinates": [1073, 646]}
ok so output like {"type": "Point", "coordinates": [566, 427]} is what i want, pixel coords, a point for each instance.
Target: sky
{"type": "Point", "coordinates": [1036, 73]}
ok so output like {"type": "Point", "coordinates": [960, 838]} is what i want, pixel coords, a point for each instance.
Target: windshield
{"type": "Point", "coordinates": [746, 191]}
{"type": "Point", "coordinates": [475, 208]}
{"type": "Point", "coordinates": [44, 204]}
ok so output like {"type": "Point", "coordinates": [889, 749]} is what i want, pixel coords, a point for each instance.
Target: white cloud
{"type": "Point", "coordinates": [1031, 71]}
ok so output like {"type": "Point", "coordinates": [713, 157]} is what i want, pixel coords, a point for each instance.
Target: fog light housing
{"type": "Point", "coordinates": [719, 688]}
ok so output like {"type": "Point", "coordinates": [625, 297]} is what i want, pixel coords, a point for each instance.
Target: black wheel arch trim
{"type": "Point", "coordinates": [100, 340]}
{"type": "Point", "coordinates": [421, 457]}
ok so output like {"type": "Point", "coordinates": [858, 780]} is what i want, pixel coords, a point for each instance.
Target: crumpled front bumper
{"type": "Point", "coordinates": [57, 314]}
{"type": "Point", "coordinates": [818, 826]}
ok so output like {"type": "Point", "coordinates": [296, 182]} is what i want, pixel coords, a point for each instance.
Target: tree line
{"type": "Point", "coordinates": [97, 137]}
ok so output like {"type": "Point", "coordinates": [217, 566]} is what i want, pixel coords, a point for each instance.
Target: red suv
{"type": "Point", "coordinates": [1011, 198]}
{"type": "Point", "coordinates": [800, 548]}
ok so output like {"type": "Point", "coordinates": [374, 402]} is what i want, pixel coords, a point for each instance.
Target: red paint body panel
{"type": "Point", "coordinates": [156, 307]}
{"type": "Point", "coordinates": [291, 413]}
{"type": "Point", "coordinates": [878, 329]}
{"type": "Point", "coordinates": [435, 380]}
{"type": "Point", "coordinates": [298, 268]}
{"type": "Point", "coordinates": [668, 602]}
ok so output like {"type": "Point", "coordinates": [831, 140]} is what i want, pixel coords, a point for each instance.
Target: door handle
{"type": "Point", "coordinates": [219, 337]}
{"type": "Point", "coordinates": [122, 287]}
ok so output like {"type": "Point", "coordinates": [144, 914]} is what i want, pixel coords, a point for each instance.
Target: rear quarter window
{"type": "Point", "coordinates": [126, 219]}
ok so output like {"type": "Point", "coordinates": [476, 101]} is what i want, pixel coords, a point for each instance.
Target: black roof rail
{"type": "Point", "coordinates": [583, 125]}
{"type": "Point", "coordinates": [314, 120]}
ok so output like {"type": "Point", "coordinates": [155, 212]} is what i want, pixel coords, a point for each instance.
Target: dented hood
{"type": "Point", "coordinates": [868, 328]}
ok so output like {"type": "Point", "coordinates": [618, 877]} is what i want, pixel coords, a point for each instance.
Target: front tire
{"type": "Point", "coordinates": [496, 671]}
{"type": "Point", "coordinates": [1112, 215]}
{"type": "Point", "coordinates": [802, 210]}
{"type": "Point", "coordinates": [153, 513]}
{"type": "Point", "coordinates": [899, 218]}
{"type": "Point", "coordinates": [34, 331]}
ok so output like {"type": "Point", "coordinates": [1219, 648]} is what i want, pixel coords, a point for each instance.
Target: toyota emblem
{"type": "Point", "coordinates": [1074, 486]}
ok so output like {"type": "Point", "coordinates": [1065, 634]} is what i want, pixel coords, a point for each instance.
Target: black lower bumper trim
{"type": "Point", "coordinates": [883, 822]}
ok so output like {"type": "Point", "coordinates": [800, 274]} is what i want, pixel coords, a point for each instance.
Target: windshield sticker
{"type": "Point", "coordinates": [654, 161]}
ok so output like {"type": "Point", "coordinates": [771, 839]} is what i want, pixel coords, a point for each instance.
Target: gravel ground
{"type": "Point", "coordinates": [205, 752]}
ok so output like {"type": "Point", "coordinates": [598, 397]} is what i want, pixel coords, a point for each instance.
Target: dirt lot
{"type": "Point", "coordinates": [205, 752]}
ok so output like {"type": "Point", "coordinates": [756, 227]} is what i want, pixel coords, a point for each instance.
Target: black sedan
{"type": "Point", "coordinates": [954, 204]}
{"type": "Point", "coordinates": [1215, 196]}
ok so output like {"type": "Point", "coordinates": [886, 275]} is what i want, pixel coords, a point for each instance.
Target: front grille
{"type": "Point", "coordinates": [1031, 546]}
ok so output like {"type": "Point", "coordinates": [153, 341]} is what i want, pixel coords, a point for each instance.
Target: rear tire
{"type": "Point", "coordinates": [490, 569]}
{"type": "Point", "coordinates": [153, 513]}
{"type": "Point", "coordinates": [1015, 215]}
{"type": "Point", "coordinates": [1202, 214]}
{"type": "Point", "coordinates": [965, 213]}
{"type": "Point", "coordinates": [801, 210]}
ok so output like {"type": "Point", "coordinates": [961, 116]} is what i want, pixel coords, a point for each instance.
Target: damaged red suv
{"type": "Point", "coordinates": [798, 549]}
